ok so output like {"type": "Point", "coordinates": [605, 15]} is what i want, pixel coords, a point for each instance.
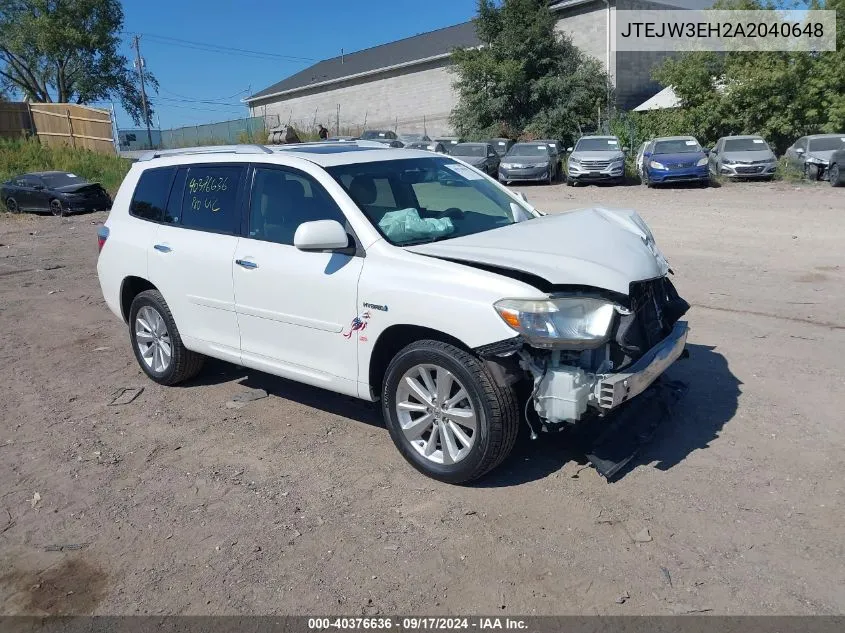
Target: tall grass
{"type": "Point", "coordinates": [19, 156]}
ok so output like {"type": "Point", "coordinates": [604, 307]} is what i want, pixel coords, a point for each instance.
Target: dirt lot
{"type": "Point", "coordinates": [298, 503]}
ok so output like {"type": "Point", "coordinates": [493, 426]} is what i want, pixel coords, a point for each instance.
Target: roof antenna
{"type": "Point", "coordinates": [341, 55]}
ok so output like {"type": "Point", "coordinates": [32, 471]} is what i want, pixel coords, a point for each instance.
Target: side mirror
{"type": "Point", "coordinates": [646, 154]}
{"type": "Point", "coordinates": [522, 195]}
{"type": "Point", "coordinates": [568, 149]}
{"type": "Point", "coordinates": [626, 149]}
{"type": "Point", "coordinates": [707, 151]}
{"type": "Point", "coordinates": [799, 150]}
{"type": "Point", "coordinates": [38, 187]}
{"type": "Point", "coordinates": [320, 235]}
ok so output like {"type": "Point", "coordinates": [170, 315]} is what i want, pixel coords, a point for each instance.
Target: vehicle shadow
{"type": "Point", "coordinates": [656, 436]}
{"type": "Point", "coordinates": [663, 438]}
{"type": "Point", "coordinates": [217, 371]}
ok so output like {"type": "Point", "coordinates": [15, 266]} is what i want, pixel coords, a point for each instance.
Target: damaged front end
{"type": "Point", "coordinates": [588, 352]}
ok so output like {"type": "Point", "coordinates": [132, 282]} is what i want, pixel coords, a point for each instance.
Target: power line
{"type": "Point", "coordinates": [216, 48]}
{"type": "Point", "coordinates": [221, 99]}
{"type": "Point", "coordinates": [206, 101]}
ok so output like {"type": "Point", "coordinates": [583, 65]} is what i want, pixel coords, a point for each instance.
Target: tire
{"type": "Point", "coordinates": [12, 205]}
{"type": "Point", "coordinates": [57, 209]}
{"type": "Point", "coordinates": [836, 177]}
{"type": "Point", "coordinates": [811, 171]}
{"type": "Point", "coordinates": [183, 363]}
{"type": "Point", "coordinates": [551, 178]}
{"type": "Point", "coordinates": [494, 408]}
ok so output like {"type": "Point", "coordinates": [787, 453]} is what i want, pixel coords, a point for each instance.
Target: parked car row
{"type": "Point", "coordinates": [681, 158]}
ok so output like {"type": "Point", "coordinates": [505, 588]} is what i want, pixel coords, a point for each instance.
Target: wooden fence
{"type": "Point", "coordinates": [59, 124]}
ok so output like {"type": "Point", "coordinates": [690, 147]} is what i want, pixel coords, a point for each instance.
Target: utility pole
{"type": "Point", "coordinates": [139, 62]}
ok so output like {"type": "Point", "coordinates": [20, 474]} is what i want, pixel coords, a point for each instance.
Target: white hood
{"type": "Point", "coordinates": [597, 247]}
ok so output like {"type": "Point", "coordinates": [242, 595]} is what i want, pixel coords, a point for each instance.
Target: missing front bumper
{"type": "Point", "coordinates": [614, 389]}
{"type": "Point", "coordinates": [563, 393]}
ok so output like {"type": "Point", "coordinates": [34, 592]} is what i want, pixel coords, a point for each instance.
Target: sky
{"type": "Point", "coordinates": [200, 83]}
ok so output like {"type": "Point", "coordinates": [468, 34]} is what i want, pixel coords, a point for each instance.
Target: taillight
{"type": "Point", "coordinates": [102, 236]}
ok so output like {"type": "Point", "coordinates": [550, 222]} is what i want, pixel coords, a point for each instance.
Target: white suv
{"type": "Point", "coordinates": [393, 275]}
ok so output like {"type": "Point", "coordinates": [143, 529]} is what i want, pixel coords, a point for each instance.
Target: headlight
{"type": "Point", "coordinates": [574, 161]}
{"type": "Point", "coordinates": [655, 165]}
{"type": "Point", "coordinates": [538, 165]}
{"type": "Point", "coordinates": [506, 165]}
{"type": "Point", "coordinates": [816, 161]}
{"type": "Point", "coordinates": [617, 163]}
{"type": "Point", "coordinates": [567, 322]}
{"type": "Point", "coordinates": [701, 162]}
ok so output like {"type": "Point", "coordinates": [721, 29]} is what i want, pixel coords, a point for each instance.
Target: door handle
{"type": "Point", "coordinates": [245, 263]}
{"type": "Point", "coordinates": [162, 248]}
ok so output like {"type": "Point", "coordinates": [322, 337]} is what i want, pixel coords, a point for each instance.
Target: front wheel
{"type": "Point", "coordinates": [156, 341]}
{"type": "Point", "coordinates": [837, 179]}
{"type": "Point", "coordinates": [12, 205]}
{"type": "Point", "coordinates": [56, 208]}
{"type": "Point", "coordinates": [811, 171]}
{"type": "Point", "coordinates": [446, 413]}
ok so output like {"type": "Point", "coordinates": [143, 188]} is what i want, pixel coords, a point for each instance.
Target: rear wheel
{"type": "Point", "coordinates": [156, 341]}
{"type": "Point", "coordinates": [446, 413]}
{"type": "Point", "coordinates": [12, 205]}
{"type": "Point", "coordinates": [837, 178]}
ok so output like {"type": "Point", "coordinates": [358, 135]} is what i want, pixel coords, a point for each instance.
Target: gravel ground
{"type": "Point", "coordinates": [298, 503]}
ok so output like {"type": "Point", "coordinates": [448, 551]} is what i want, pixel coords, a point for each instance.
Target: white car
{"type": "Point", "coordinates": [392, 275]}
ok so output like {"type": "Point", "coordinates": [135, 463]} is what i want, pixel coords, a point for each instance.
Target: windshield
{"type": "Point", "coordinates": [597, 145]}
{"type": "Point", "coordinates": [412, 138]}
{"type": "Point", "coordinates": [677, 146]}
{"type": "Point", "coordinates": [827, 144]}
{"type": "Point", "coordinates": [746, 145]}
{"type": "Point", "coordinates": [418, 200]}
{"type": "Point", "coordinates": [469, 150]}
{"type": "Point", "coordinates": [529, 149]}
{"type": "Point", "coordinates": [374, 134]}
{"type": "Point", "coordinates": [62, 180]}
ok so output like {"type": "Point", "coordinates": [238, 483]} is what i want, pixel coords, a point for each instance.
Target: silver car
{"type": "Point", "coordinates": [811, 154]}
{"type": "Point", "coordinates": [742, 157]}
{"type": "Point", "coordinates": [596, 159]}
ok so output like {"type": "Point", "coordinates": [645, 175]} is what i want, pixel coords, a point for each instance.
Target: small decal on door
{"type": "Point", "coordinates": [359, 323]}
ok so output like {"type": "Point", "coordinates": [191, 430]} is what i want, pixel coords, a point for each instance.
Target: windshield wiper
{"type": "Point", "coordinates": [428, 240]}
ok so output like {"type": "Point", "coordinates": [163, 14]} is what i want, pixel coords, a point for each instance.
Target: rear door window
{"type": "Point", "coordinates": [151, 193]}
{"type": "Point", "coordinates": [210, 198]}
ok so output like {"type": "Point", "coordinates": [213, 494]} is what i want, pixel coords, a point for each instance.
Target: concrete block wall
{"type": "Point", "coordinates": [587, 28]}
{"type": "Point", "coordinates": [410, 99]}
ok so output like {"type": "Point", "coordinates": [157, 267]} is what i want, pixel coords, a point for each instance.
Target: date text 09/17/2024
{"type": "Point", "coordinates": [416, 623]}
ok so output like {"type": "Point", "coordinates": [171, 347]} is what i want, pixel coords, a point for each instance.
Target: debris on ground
{"type": "Point", "coordinates": [35, 499]}
{"type": "Point", "coordinates": [65, 547]}
{"type": "Point", "coordinates": [643, 536]}
{"type": "Point", "coordinates": [125, 395]}
{"type": "Point", "coordinates": [667, 575]}
{"type": "Point", "coordinates": [240, 400]}
{"type": "Point", "coordinates": [623, 598]}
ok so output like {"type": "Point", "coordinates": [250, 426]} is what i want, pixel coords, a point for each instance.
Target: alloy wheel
{"type": "Point", "coordinates": [56, 208]}
{"type": "Point", "coordinates": [436, 414]}
{"type": "Point", "coordinates": [12, 205]}
{"type": "Point", "coordinates": [153, 339]}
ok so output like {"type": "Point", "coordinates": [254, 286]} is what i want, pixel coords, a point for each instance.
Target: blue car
{"type": "Point", "coordinates": [674, 159]}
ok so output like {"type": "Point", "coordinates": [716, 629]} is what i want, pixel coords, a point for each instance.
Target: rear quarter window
{"type": "Point", "coordinates": [150, 197]}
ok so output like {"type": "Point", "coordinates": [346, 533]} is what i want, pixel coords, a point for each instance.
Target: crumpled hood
{"type": "Point", "coordinates": [824, 155]}
{"type": "Point", "coordinates": [596, 247]}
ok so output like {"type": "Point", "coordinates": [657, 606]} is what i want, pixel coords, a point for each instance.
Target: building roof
{"type": "Point", "coordinates": [666, 98]}
{"type": "Point", "coordinates": [411, 50]}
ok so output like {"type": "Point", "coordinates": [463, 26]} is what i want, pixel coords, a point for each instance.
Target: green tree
{"type": "Point", "coordinates": [526, 79]}
{"type": "Point", "coordinates": [67, 51]}
{"type": "Point", "coordinates": [779, 95]}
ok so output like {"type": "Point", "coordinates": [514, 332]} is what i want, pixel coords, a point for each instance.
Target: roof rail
{"type": "Point", "coordinates": [358, 142]}
{"type": "Point", "coordinates": [210, 149]}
